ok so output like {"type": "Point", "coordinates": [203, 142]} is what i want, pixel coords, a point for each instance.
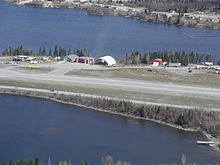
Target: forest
{"type": "Point", "coordinates": [198, 119]}
{"type": "Point", "coordinates": [186, 118]}
{"type": "Point", "coordinates": [168, 56]}
{"type": "Point", "coordinates": [35, 161]}
{"type": "Point", "coordinates": [105, 160]}
{"type": "Point", "coordinates": [136, 57]}
{"type": "Point", "coordinates": [56, 51]}
{"type": "Point", "coordinates": [182, 6]}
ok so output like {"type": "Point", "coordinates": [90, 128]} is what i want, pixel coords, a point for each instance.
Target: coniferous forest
{"type": "Point", "coordinates": [56, 51]}
{"type": "Point", "coordinates": [182, 6]}
{"type": "Point", "coordinates": [168, 56]}
{"type": "Point", "coordinates": [136, 57]}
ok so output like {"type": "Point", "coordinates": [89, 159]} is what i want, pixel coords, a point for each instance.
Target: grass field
{"type": "Point", "coordinates": [33, 70]}
{"type": "Point", "coordinates": [141, 95]}
{"type": "Point", "coordinates": [177, 76]}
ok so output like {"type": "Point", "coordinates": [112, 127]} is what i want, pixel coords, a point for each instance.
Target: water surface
{"type": "Point", "coordinates": [102, 35]}
{"type": "Point", "coordinates": [31, 127]}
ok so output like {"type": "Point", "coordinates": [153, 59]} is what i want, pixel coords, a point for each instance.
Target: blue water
{"type": "Point", "coordinates": [34, 127]}
{"type": "Point", "coordinates": [31, 127]}
{"type": "Point", "coordinates": [102, 35]}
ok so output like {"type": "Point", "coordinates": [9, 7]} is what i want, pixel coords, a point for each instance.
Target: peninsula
{"type": "Point", "coordinates": [185, 97]}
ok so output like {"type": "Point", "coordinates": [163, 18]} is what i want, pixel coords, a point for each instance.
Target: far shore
{"type": "Point", "coordinates": [43, 94]}
{"type": "Point", "coordinates": [195, 19]}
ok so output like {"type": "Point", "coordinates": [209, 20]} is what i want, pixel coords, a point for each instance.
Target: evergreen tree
{"type": "Point", "coordinates": [44, 52]}
{"type": "Point", "coordinates": [182, 120]}
{"type": "Point", "coordinates": [55, 52]}
{"type": "Point", "coordinates": [11, 162]}
{"type": "Point", "coordinates": [50, 52]}
{"type": "Point", "coordinates": [69, 52]}
{"type": "Point", "coordinates": [87, 163]}
{"type": "Point", "coordinates": [40, 52]}
{"type": "Point", "coordinates": [37, 161]}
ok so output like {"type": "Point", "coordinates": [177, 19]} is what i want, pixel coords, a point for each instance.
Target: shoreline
{"type": "Point", "coordinates": [42, 95]}
{"type": "Point", "coordinates": [209, 21]}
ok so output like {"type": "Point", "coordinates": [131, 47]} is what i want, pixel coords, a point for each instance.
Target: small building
{"type": "Point", "coordinates": [119, 4]}
{"type": "Point", "coordinates": [17, 59]}
{"type": "Point", "coordinates": [71, 58]}
{"type": "Point", "coordinates": [157, 62]}
{"type": "Point", "coordinates": [106, 60]}
{"type": "Point", "coordinates": [131, 10]}
{"type": "Point", "coordinates": [165, 63]}
{"type": "Point", "coordinates": [31, 59]}
{"type": "Point", "coordinates": [85, 60]}
{"type": "Point", "coordinates": [208, 63]}
{"type": "Point", "coordinates": [33, 62]}
{"type": "Point", "coordinates": [57, 58]}
{"type": "Point", "coordinates": [23, 58]}
{"type": "Point", "coordinates": [107, 7]}
{"type": "Point", "coordinates": [174, 64]}
{"type": "Point", "coordinates": [45, 58]}
{"type": "Point", "coordinates": [80, 0]}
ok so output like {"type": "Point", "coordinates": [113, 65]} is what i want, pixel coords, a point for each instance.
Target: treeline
{"type": "Point", "coordinates": [35, 161]}
{"type": "Point", "coordinates": [198, 119]}
{"type": "Point", "coordinates": [106, 160]}
{"type": "Point", "coordinates": [170, 57]}
{"type": "Point", "coordinates": [182, 6]}
{"type": "Point", "coordinates": [186, 118]}
{"type": "Point", "coordinates": [56, 51]}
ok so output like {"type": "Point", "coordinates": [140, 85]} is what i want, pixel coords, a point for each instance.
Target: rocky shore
{"type": "Point", "coordinates": [196, 19]}
{"type": "Point", "coordinates": [157, 17]}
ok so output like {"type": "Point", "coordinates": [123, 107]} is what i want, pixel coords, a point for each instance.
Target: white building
{"type": "Point", "coordinates": [106, 60]}
{"type": "Point", "coordinates": [208, 63]}
{"type": "Point", "coordinates": [174, 64]}
{"type": "Point", "coordinates": [71, 58]}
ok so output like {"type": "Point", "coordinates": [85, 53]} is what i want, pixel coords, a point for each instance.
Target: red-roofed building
{"type": "Point", "coordinates": [85, 60]}
{"type": "Point", "coordinates": [160, 61]}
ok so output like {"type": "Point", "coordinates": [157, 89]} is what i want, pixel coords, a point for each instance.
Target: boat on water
{"type": "Point", "coordinates": [205, 142]}
{"type": "Point", "coordinates": [192, 37]}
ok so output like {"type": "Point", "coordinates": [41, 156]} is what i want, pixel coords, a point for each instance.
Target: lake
{"type": "Point", "coordinates": [102, 35]}
{"type": "Point", "coordinates": [31, 127]}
